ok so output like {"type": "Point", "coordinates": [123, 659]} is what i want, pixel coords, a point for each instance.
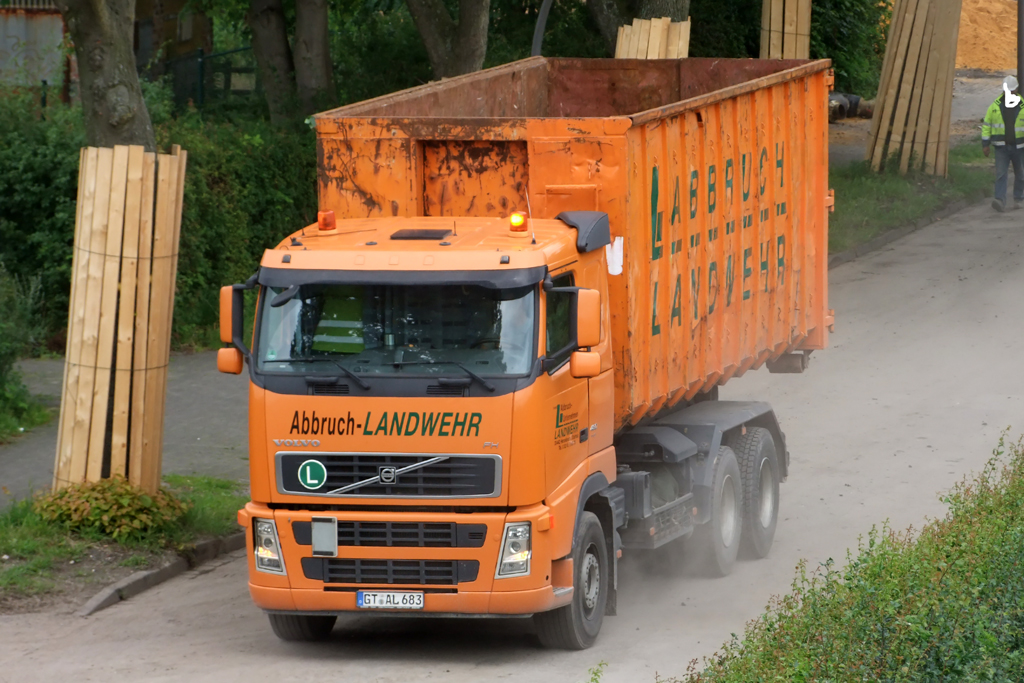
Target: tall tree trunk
{"type": "Point", "coordinates": [608, 16]}
{"type": "Point", "coordinates": [453, 49]}
{"type": "Point", "coordinates": [313, 74]}
{"type": "Point", "coordinates": [273, 58]}
{"type": "Point", "coordinates": [679, 10]}
{"type": "Point", "coordinates": [112, 104]}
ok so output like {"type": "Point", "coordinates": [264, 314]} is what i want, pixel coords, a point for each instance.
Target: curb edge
{"type": "Point", "coordinates": [139, 582]}
{"type": "Point", "coordinates": [890, 236]}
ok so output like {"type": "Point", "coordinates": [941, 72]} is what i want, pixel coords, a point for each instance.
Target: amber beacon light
{"type": "Point", "coordinates": [517, 222]}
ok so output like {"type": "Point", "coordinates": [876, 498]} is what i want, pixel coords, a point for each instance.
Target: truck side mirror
{"type": "Point", "coordinates": [585, 364]}
{"type": "Point", "coordinates": [588, 317]}
{"type": "Point", "coordinates": [232, 305]}
{"type": "Point", "coordinates": [230, 360]}
{"type": "Point", "coordinates": [227, 299]}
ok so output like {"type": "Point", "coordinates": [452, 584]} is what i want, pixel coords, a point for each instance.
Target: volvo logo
{"type": "Point", "coordinates": [315, 443]}
{"type": "Point", "coordinates": [388, 475]}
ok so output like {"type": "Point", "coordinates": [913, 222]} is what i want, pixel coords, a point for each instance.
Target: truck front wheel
{"type": "Point", "coordinates": [575, 626]}
{"type": "Point", "coordinates": [759, 465]}
{"type": "Point", "coordinates": [301, 627]}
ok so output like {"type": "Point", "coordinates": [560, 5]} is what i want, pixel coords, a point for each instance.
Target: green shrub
{"type": "Point", "coordinates": [38, 191]}
{"type": "Point", "coordinates": [852, 34]}
{"type": "Point", "coordinates": [20, 331]}
{"type": "Point", "coordinates": [945, 604]}
{"type": "Point", "coordinates": [113, 508]}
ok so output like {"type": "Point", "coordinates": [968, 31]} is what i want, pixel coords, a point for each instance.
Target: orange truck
{"type": "Point", "coordinates": [492, 366]}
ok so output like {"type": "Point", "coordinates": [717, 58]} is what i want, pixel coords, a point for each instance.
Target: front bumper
{"type": "Point", "coordinates": [306, 591]}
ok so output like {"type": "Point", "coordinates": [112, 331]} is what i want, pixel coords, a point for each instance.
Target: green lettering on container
{"type": "Point", "coordinates": [656, 217]}
{"type": "Point", "coordinates": [655, 327]}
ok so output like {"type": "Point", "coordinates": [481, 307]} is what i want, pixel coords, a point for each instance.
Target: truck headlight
{"type": "Point", "coordinates": [515, 551]}
{"type": "Point", "coordinates": [268, 548]}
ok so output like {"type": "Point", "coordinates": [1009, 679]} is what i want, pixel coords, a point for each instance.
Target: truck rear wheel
{"type": "Point", "coordinates": [759, 467]}
{"type": "Point", "coordinates": [717, 542]}
{"type": "Point", "coordinates": [301, 627]}
{"type": "Point", "coordinates": [575, 626]}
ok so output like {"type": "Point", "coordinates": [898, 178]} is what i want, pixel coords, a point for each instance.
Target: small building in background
{"type": "Point", "coordinates": [33, 52]}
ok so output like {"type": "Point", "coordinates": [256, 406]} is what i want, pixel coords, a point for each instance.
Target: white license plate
{"type": "Point", "coordinates": [388, 600]}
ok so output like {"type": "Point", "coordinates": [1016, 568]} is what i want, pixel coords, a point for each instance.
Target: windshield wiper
{"type": "Point", "coordinates": [353, 376]}
{"type": "Point", "coordinates": [486, 385]}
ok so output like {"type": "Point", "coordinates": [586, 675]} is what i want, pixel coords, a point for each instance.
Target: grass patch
{"type": "Point", "coordinates": [869, 204]}
{"type": "Point", "coordinates": [945, 604]}
{"type": "Point", "coordinates": [30, 548]}
{"type": "Point", "coordinates": [27, 415]}
{"type": "Point", "coordinates": [35, 552]}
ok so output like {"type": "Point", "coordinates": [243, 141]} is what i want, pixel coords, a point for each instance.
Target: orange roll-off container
{"type": "Point", "coordinates": [713, 173]}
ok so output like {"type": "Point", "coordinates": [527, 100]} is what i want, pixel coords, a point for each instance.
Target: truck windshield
{"type": "Point", "coordinates": [396, 329]}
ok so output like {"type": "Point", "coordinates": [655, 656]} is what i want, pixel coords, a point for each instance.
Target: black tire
{"type": "Point", "coordinates": [575, 626]}
{"type": "Point", "coordinates": [715, 545]}
{"type": "Point", "coordinates": [759, 470]}
{"type": "Point", "coordinates": [301, 628]}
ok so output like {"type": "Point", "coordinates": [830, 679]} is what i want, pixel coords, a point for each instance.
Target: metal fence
{"type": "Point", "coordinates": [221, 78]}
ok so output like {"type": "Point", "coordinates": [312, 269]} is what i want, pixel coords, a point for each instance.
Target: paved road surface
{"type": "Point", "coordinates": [923, 375]}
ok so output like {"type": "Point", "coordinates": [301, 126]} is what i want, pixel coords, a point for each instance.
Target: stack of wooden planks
{"type": "Point", "coordinates": [119, 322]}
{"type": "Point", "coordinates": [786, 29]}
{"type": "Point", "coordinates": [911, 121]}
{"type": "Point", "coordinates": [654, 39]}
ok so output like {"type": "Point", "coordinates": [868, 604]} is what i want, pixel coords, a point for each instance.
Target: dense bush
{"type": "Point", "coordinates": [20, 331]}
{"type": "Point", "coordinates": [852, 34]}
{"type": "Point", "coordinates": [113, 508]}
{"type": "Point", "coordinates": [38, 189]}
{"type": "Point", "coordinates": [946, 604]}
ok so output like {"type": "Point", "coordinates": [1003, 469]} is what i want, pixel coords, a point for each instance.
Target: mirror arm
{"type": "Point", "coordinates": [238, 313]}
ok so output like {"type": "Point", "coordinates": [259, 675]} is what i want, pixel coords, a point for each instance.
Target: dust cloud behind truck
{"type": "Point", "coordinates": [491, 367]}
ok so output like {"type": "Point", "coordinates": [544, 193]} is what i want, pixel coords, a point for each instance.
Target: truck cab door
{"type": "Point", "coordinates": [568, 417]}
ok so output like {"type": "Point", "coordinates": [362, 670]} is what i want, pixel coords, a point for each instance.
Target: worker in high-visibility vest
{"type": "Point", "coordinates": [1003, 128]}
{"type": "Point", "coordinates": [340, 329]}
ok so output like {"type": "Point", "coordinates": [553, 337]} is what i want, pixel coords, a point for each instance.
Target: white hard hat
{"type": "Point", "coordinates": [1011, 83]}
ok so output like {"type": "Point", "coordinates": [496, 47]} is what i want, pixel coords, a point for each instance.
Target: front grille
{"type": "Point", "coordinates": [391, 572]}
{"type": "Point", "coordinates": [400, 534]}
{"type": "Point", "coordinates": [455, 476]}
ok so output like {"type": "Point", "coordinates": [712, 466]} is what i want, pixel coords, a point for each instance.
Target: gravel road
{"type": "Point", "coordinates": [924, 373]}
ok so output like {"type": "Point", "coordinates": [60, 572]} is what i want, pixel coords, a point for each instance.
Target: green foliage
{"type": "Point", "coordinates": [570, 31]}
{"type": "Point", "coordinates": [852, 34]}
{"type": "Point", "coordinates": [725, 28]}
{"type": "Point", "coordinates": [39, 187]}
{"type": "Point", "coordinates": [943, 604]}
{"type": "Point", "coordinates": [112, 508]}
{"type": "Point", "coordinates": [869, 204]}
{"type": "Point", "coordinates": [20, 332]}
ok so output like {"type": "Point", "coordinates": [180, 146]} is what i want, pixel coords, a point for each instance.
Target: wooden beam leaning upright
{"type": "Point", "coordinates": [106, 404]}
{"type": "Point", "coordinates": [785, 29]}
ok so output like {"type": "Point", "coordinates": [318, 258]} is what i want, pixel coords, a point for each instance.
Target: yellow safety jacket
{"type": "Point", "coordinates": [340, 329]}
{"type": "Point", "coordinates": [993, 128]}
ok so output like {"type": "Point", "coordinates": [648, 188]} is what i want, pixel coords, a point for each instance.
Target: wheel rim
{"type": "Point", "coordinates": [767, 486]}
{"type": "Point", "coordinates": [590, 576]}
{"type": "Point", "coordinates": [728, 511]}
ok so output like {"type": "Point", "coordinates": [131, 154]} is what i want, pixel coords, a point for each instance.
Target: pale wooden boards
{"type": "Point", "coordinates": [653, 39]}
{"type": "Point", "coordinates": [127, 227]}
{"type": "Point", "coordinates": [910, 126]}
{"type": "Point", "coordinates": [786, 29]}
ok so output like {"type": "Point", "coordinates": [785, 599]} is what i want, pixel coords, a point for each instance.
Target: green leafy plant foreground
{"type": "Point", "coordinates": [945, 604]}
{"type": "Point", "coordinates": [112, 507]}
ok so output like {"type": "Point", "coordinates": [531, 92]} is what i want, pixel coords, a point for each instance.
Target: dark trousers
{"type": "Point", "coordinates": [1004, 156]}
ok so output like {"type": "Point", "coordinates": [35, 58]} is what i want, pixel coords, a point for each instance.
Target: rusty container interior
{"type": "Point", "coordinates": [713, 172]}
